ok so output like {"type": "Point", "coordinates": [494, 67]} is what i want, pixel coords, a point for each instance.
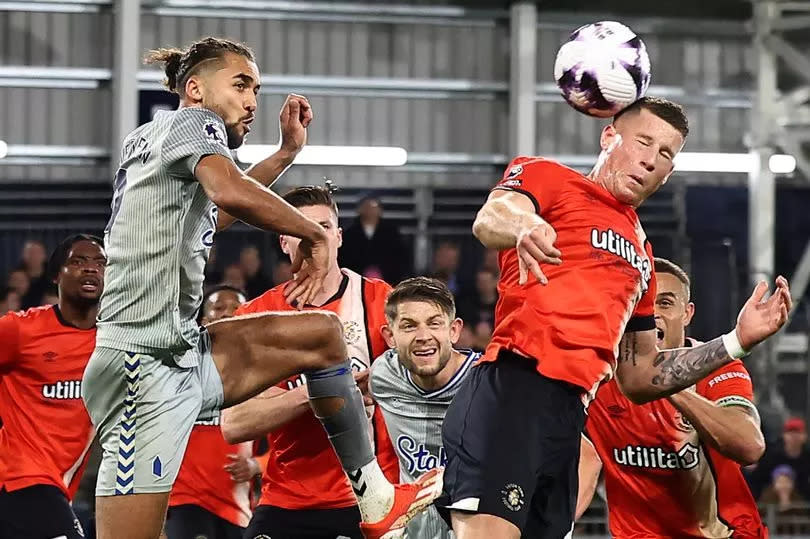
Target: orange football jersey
{"type": "Point", "coordinates": [661, 480]}
{"type": "Point", "coordinates": [46, 431]}
{"type": "Point", "coordinates": [303, 471]}
{"type": "Point", "coordinates": [203, 481]}
{"type": "Point", "coordinates": [571, 327]}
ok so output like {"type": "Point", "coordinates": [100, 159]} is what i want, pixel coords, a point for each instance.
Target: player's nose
{"type": "Point", "coordinates": [251, 103]}
{"type": "Point", "coordinates": [91, 268]}
{"type": "Point", "coordinates": [422, 334]}
{"type": "Point", "coordinates": [647, 160]}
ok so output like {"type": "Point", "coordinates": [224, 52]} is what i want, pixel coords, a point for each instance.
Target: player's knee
{"type": "Point", "coordinates": [329, 335]}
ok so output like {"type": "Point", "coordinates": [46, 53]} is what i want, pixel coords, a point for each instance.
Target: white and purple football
{"type": "Point", "coordinates": [602, 68]}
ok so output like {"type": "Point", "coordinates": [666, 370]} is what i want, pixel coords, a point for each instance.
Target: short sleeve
{"type": "Point", "coordinates": [195, 133]}
{"type": "Point", "coordinates": [729, 385]}
{"type": "Point", "coordinates": [537, 178]}
{"type": "Point", "coordinates": [643, 318]}
{"type": "Point", "coordinates": [10, 337]}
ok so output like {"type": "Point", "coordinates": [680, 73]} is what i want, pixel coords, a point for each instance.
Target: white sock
{"type": "Point", "coordinates": [375, 495]}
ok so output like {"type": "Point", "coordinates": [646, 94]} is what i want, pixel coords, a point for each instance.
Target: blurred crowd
{"type": "Point", "coordinates": [27, 284]}
{"type": "Point", "coordinates": [780, 481]}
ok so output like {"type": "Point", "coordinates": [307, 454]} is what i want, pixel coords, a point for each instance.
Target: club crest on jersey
{"type": "Point", "coordinates": [638, 456]}
{"type": "Point", "coordinates": [351, 332]}
{"type": "Point", "coordinates": [512, 497]}
{"type": "Point", "coordinates": [616, 244]}
{"type": "Point", "coordinates": [214, 133]}
{"type": "Point", "coordinates": [682, 424]}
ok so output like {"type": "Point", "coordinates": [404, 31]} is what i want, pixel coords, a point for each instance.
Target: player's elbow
{"type": "Point", "coordinates": [483, 231]}
{"type": "Point", "coordinates": [230, 428]}
{"type": "Point", "coordinates": [226, 200]}
{"type": "Point", "coordinates": [748, 452]}
{"type": "Point", "coordinates": [478, 228]}
{"type": "Point", "coordinates": [636, 389]}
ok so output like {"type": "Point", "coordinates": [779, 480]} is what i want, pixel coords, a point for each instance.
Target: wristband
{"type": "Point", "coordinates": [733, 346]}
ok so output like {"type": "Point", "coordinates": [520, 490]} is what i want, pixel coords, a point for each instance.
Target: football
{"type": "Point", "coordinates": [602, 68]}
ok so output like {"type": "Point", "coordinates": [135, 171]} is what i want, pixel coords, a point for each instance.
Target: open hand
{"type": "Point", "coordinates": [310, 264]}
{"type": "Point", "coordinates": [761, 318]}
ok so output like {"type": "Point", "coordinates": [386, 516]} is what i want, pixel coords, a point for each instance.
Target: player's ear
{"type": "Point", "coordinates": [388, 336]}
{"type": "Point", "coordinates": [455, 330]}
{"type": "Point", "coordinates": [608, 136]}
{"type": "Point", "coordinates": [340, 237]}
{"type": "Point", "coordinates": [285, 247]}
{"type": "Point", "coordinates": [690, 312]}
{"type": "Point", "coordinates": [194, 89]}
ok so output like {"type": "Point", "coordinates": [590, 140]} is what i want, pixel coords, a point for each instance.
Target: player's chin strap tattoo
{"type": "Point", "coordinates": [683, 367]}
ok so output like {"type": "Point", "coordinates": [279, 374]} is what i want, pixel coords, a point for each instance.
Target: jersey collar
{"type": "Point", "coordinates": [457, 377]}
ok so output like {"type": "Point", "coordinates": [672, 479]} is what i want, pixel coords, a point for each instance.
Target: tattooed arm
{"type": "Point", "coordinates": [645, 373]}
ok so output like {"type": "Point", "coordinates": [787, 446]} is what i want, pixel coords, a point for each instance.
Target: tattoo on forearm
{"type": "Point", "coordinates": [683, 367]}
{"type": "Point", "coordinates": [627, 348]}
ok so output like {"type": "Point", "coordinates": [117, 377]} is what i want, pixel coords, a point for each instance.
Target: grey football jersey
{"type": "Point", "coordinates": [159, 235]}
{"type": "Point", "coordinates": [414, 420]}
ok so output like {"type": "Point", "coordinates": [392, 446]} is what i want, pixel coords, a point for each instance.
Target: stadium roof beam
{"type": "Point", "coordinates": [677, 26]}
{"type": "Point", "coordinates": [23, 154]}
{"type": "Point", "coordinates": [715, 97]}
{"type": "Point", "coordinates": [52, 6]}
{"type": "Point", "coordinates": [363, 86]}
{"type": "Point", "coordinates": [413, 88]}
{"type": "Point", "coordinates": [771, 115]}
{"type": "Point", "coordinates": [53, 77]}
{"type": "Point", "coordinates": [327, 11]}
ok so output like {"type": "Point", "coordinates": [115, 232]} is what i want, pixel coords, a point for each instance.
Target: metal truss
{"type": "Point", "coordinates": [780, 119]}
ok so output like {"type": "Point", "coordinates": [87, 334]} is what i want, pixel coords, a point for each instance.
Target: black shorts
{"type": "Point", "coordinates": [37, 512]}
{"type": "Point", "coordinates": [512, 440]}
{"type": "Point", "coordinates": [195, 522]}
{"type": "Point", "coordinates": [278, 523]}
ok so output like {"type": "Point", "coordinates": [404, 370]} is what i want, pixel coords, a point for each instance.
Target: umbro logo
{"type": "Point", "coordinates": [50, 356]}
{"type": "Point", "coordinates": [615, 409]}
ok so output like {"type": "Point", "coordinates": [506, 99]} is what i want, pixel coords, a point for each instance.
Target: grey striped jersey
{"type": "Point", "coordinates": [414, 418]}
{"type": "Point", "coordinates": [159, 234]}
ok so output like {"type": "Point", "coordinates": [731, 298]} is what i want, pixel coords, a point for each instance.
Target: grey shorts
{"type": "Point", "coordinates": [144, 407]}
